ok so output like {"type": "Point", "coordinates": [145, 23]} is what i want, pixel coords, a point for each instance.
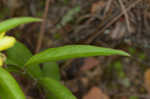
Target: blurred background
{"type": "Point", "coordinates": [119, 24]}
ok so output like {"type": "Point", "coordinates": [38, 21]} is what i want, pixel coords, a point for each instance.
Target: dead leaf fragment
{"type": "Point", "coordinates": [98, 6]}
{"type": "Point", "coordinates": [89, 63]}
{"type": "Point", "coordinates": [95, 93]}
{"type": "Point", "coordinates": [147, 80]}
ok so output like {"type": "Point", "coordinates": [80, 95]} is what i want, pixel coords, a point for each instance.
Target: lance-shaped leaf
{"type": "Point", "coordinates": [51, 69]}
{"type": "Point", "coordinates": [14, 22]}
{"type": "Point", "coordinates": [55, 88]}
{"type": "Point", "coordinates": [72, 51]}
{"type": "Point", "coordinates": [18, 55]}
{"type": "Point", "coordinates": [9, 88]}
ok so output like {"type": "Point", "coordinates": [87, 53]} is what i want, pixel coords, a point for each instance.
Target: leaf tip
{"type": "Point", "coordinates": [126, 54]}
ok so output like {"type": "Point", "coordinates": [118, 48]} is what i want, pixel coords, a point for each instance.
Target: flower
{"type": "Point", "coordinates": [1, 61]}
{"type": "Point", "coordinates": [2, 34]}
{"type": "Point", "coordinates": [6, 41]}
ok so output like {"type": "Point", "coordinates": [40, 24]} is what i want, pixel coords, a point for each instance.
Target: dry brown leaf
{"type": "Point", "coordinates": [89, 63]}
{"type": "Point", "coordinates": [85, 81]}
{"type": "Point", "coordinates": [124, 97]}
{"type": "Point", "coordinates": [28, 97]}
{"type": "Point", "coordinates": [72, 85]}
{"type": "Point", "coordinates": [95, 93]}
{"type": "Point", "coordinates": [98, 6]}
{"type": "Point", "coordinates": [147, 80]}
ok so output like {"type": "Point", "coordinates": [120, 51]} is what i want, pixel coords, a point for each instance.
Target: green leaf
{"type": "Point", "coordinates": [72, 51]}
{"type": "Point", "coordinates": [13, 68]}
{"type": "Point", "coordinates": [18, 55]}
{"type": "Point", "coordinates": [49, 95]}
{"type": "Point", "coordinates": [56, 88]}
{"type": "Point", "coordinates": [9, 89]}
{"type": "Point", "coordinates": [51, 69]}
{"type": "Point", "coordinates": [68, 17]}
{"type": "Point", "coordinates": [14, 22]}
{"type": "Point", "coordinates": [133, 97]}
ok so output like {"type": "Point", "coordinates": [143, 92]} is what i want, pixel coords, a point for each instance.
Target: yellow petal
{"type": "Point", "coordinates": [1, 61]}
{"type": "Point", "coordinates": [6, 42]}
{"type": "Point", "coordinates": [2, 35]}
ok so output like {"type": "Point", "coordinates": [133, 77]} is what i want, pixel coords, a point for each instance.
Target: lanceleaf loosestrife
{"type": "Point", "coordinates": [5, 43]}
{"type": "Point", "coordinates": [1, 61]}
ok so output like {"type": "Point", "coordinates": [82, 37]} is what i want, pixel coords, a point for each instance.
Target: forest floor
{"type": "Point", "coordinates": [119, 24]}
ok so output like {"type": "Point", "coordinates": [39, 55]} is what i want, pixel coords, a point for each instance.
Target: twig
{"type": "Point", "coordinates": [126, 16]}
{"type": "Point", "coordinates": [42, 28]}
{"type": "Point", "coordinates": [90, 39]}
{"type": "Point", "coordinates": [108, 6]}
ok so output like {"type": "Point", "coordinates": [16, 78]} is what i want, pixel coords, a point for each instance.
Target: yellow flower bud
{"type": "Point", "coordinates": [6, 42]}
{"type": "Point", "coordinates": [2, 35]}
{"type": "Point", "coordinates": [1, 61]}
